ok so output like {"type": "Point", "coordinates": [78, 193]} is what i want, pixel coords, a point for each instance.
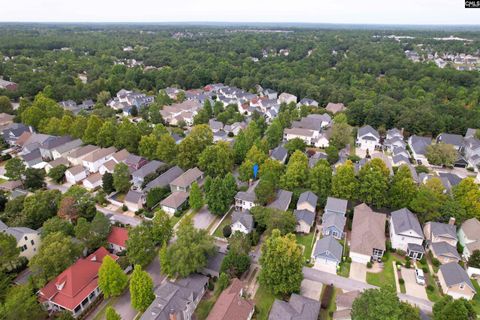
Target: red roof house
{"type": "Point", "coordinates": [117, 239]}
{"type": "Point", "coordinates": [76, 287]}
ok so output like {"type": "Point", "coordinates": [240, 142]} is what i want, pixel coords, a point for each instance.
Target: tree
{"type": "Point", "coordinates": [189, 253]}
{"type": "Point", "coordinates": [467, 195]}
{"type": "Point", "coordinates": [294, 145]}
{"type": "Point", "coordinates": [106, 134]}
{"type": "Point", "coordinates": [441, 154]}
{"type": "Point", "coordinates": [155, 195]}
{"type": "Point", "coordinates": [216, 160]}
{"type": "Point", "coordinates": [162, 228]}
{"type": "Point", "coordinates": [94, 123]}
{"type": "Point", "coordinates": [39, 207]}
{"type": "Point", "coordinates": [67, 209]}
{"type": "Point", "coordinates": [449, 309]}
{"type": "Point", "coordinates": [344, 182]}
{"type": "Point", "coordinates": [341, 135]}
{"type": "Point", "coordinates": [141, 245]}
{"type": "Point", "coordinates": [57, 252]}
{"type": "Point", "coordinates": [381, 304]}
{"type": "Point", "coordinates": [84, 201]}
{"type": "Point", "coordinates": [56, 224]}
{"type": "Point", "coordinates": [195, 199]}
{"type": "Point", "coordinates": [230, 186]}
{"type": "Point", "coordinates": [281, 220]}
{"type": "Point", "coordinates": [103, 97]}
{"type": "Point", "coordinates": [111, 278]}
{"type": "Point", "coordinates": [148, 147]}
{"type": "Point", "coordinates": [34, 179]}
{"type": "Point", "coordinates": [373, 183]}
{"type": "Point", "coordinates": [282, 263]}
{"type": "Point", "coordinates": [21, 303]}
{"type": "Point", "coordinates": [296, 175]}
{"type": "Point", "coordinates": [107, 183]}
{"type": "Point", "coordinates": [163, 99]}
{"type": "Point", "coordinates": [141, 289]}
{"type": "Point", "coordinates": [14, 169]}
{"type": "Point", "coordinates": [235, 264]}
{"type": "Point", "coordinates": [5, 105]}
{"type": "Point", "coordinates": [217, 197]}
{"type": "Point", "coordinates": [111, 314]}
{"type": "Point", "coordinates": [166, 148]}
{"type": "Point", "coordinates": [57, 174]}
{"type": "Point", "coordinates": [94, 234]}
{"type": "Point", "coordinates": [78, 127]}
{"type": "Point", "coordinates": [223, 282]}
{"type": "Point", "coordinates": [266, 190]}
{"type": "Point", "coordinates": [320, 181]}
{"type": "Point", "coordinates": [274, 133]}
{"type": "Point", "coordinates": [121, 177]}
{"type": "Point", "coordinates": [8, 249]}
{"type": "Point", "coordinates": [429, 200]}
{"type": "Point", "coordinates": [332, 154]}
{"type": "Point", "coordinates": [127, 136]}
{"type": "Point", "coordinates": [474, 260]}
{"type": "Point", "coordinates": [191, 147]}
{"type": "Point", "coordinates": [402, 188]}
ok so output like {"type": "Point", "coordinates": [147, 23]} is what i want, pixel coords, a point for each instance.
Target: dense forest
{"type": "Point", "coordinates": [364, 69]}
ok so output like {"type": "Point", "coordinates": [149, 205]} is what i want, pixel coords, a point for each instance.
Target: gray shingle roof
{"type": "Point", "coordinates": [336, 205]}
{"type": "Point", "coordinates": [175, 200]}
{"type": "Point", "coordinates": [309, 197]}
{"type": "Point", "coordinates": [366, 130]}
{"type": "Point", "coordinates": [304, 215]}
{"type": "Point", "coordinates": [419, 144]}
{"type": "Point", "coordinates": [443, 229]}
{"type": "Point", "coordinates": [329, 247]}
{"type": "Point", "coordinates": [245, 218]}
{"type": "Point", "coordinates": [165, 178]}
{"type": "Point", "coordinates": [444, 249]}
{"type": "Point", "coordinates": [187, 178]}
{"type": "Point", "coordinates": [279, 153]}
{"type": "Point", "coordinates": [454, 274]}
{"type": "Point", "coordinates": [404, 220]}
{"type": "Point", "coordinates": [399, 158]}
{"type": "Point", "coordinates": [282, 201]}
{"type": "Point", "coordinates": [147, 169]}
{"type": "Point", "coordinates": [298, 308]}
{"type": "Point", "coordinates": [449, 138]}
{"type": "Point", "coordinates": [133, 196]}
{"type": "Point", "coordinates": [336, 220]}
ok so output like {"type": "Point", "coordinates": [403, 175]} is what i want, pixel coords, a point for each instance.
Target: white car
{"type": "Point", "coordinates": [420, 277]}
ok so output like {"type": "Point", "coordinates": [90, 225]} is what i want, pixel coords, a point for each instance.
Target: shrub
{"type": "Point", "coordinates": [227, 231]}
{"type": "Point", "coordinates": [178, 213]}
{"type": "Point", "coordinates": [349, 260]}
{"type": "Point", "coordinates": [470, 169]}
{"type": "Point", "coordinates": [148, 214]}
{"type": "Point", "coordinates": [384, 258]}
{"type": "Point", "coordinates": [124, 208]}
{"type": "Point", "coordinates": [401, 281]}
{"type": "Point", "coordinates": [423, 260]}
{"type": "Point", "coordinates": [425, 269]}
{"type": "Point", "coordinates": [435, 262]}
{"type": "Point", "coordinates": [408, 264]}
{"type": "Point", "coordinates": [401, 253]}
{"type": "Point", "coordinates": [398, 263]}
{"type": "Point", "coordinates": [430, 288]}
{"type": "Point", "coordinates": [254, 238]}
{"type": "Point", "coordinates": [369, 265]}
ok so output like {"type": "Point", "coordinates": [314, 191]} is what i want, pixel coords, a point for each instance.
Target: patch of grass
{"type": "Point", "coordinates": [306, 240]}
{"type": "Point", "coordinates": [344, 270]}
{"type": "Point", "coordinates": [2, 180]}
{"type": "Point", "coordinates": [327, 314]}
{"type": "Point", "coordinates": [476, 298]}
{"type": "Point", "coordinates": [263, 303]}
{"type": "Point", "coordinates": [101, 314]}
{"type": "Point", "coordinates": [219, 231]}
{"type": "Point", "coordinates": [434, 295]}
{"type": "Point", "coordinates": [203, 309]}
{"type": "Point", "coordinates": [386, 277]}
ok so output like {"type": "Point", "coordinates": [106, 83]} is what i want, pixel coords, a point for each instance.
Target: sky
{"type": "Point", "coordinates": [440, 12]}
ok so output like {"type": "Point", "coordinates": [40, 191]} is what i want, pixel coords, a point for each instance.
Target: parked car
{"type": "Point", "coordinates": [420, 277]}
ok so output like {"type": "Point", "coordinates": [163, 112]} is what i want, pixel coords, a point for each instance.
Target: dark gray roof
{"type": "Point", "coordinates": [443, 229]}
{"type": "Point", "coordinates": [415, 247]}
{"type": "Point", "coordinates": [399, 158]}
{"type": "Point", "coordinates": [34, 155]}
{"type": "Point", "coordinates": [279, 153]}
{"type": "Point", "coordinates": [366, 130]}
{"type": "Point", "coordinates": [304, 215]}
{"type": "Point", "coordinates": [298, 308]}
{"type": "Point", "coordinates": [165, 178]}
{"type": "Point", "coordinates": [419, 144]}
{"type": "Point", "coordinates": [449, 138]}
{"type": "Point", "coordinates": [309, 197]}
{"type": "Point", "coordinates": [282, 201]}
{"type": "Point", "coordinates": [336, 205]}
{"type": "Point", "coordinates": [336, 220]}
{"type": "Point", "coordinates": [444, 249]}
{"type": "Point", "coordinates": [214, 262]}
{"type": "Point", "coordinates": [133, 196]}
{"type": "Point", "coordinates": [452, 178]}
{"type": "Point", "coordinates": [329, 247]}
{"type": "Point", "coordinates": [404, 220]}
{"type": "Point", "coordinates": [245, 218]}
{"type": "Point", "coordinates": [315, 158]}
{"type": "Point", "coordinates": [147, 169]}
{"type": "Point", "coordinates": [246, 196]}
{"type": "Point", "coordinates": [454, 274]}
{"type": "Point", "coordinates": [54, 142]}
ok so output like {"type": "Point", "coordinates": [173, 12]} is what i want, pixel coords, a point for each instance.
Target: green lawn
{"type": "Point", "coordinates": [344, 270]}
{"type": "Point", "coordinates": [204, 308]}
{"type": "Point", "coordinates": [476, 298]}
{"type": "Point", "coordinates": [263, 303]}
{"type": "Point", "coordinates": [326, 314]}
{"type": "Point", "coordinates": [386, 277]}
{"type": "Point", "coordinates": [306, 240]}
{"type": "Point", "coordinates": [101, 314]}
{"type": "Point", "coordinates": [219, 231]}
{"type": "Point", "coordinates": [435, 294]}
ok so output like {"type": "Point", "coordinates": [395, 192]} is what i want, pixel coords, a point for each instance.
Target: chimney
{"type": "Point", "coordinates": [172, 316]}
{"type": "Point", "coordinates": [451, 221]}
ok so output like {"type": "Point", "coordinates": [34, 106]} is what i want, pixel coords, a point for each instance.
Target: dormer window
{"type": "Point", "coordinates": [60, 285]}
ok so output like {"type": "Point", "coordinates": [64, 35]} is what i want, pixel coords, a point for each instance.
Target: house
{"type": "Point", "coordinates": [138, 176]}
{"type": "Point", "coordinates": [418, 147]}
{"type": "Point", "coordinates": [242, 221]}
{"type": "Point", "coordinates": [245, 200]}
{"type": "Point", "coordinates": [176, 201]}
{"type": "Point", "coordinates": [32, 159]}
{"type": "Point", "coordinates": [344, 303]}
{"type": "Point", "coordinates": [6, 119]}
{"type": "Point", "coordinates": [76, 288]}
{"type": "Point", "coordinates": [55, 163]}
{"type": "Point", "coordinates": [406, 233]}
{"type": "Point", "coordinates": [134, 200]}
{"type": "Point", "coordinates": [231, 304]}
{"type": "Point", "coordinates": [47, 146]}
{"type": "Point", "coordinates": [298, 307]}
{"type": "Point", "coordinates": [368, 235]}
{"type": "Point", "coordinates": [177, 300]}
{"type": "Point", "coordinates": [438, 232]}
{"type": "Point", "coordinates": [305, 220]}
{"type": "Point", "coordinates": [455, 140]}
{"type": "Point", "coordinates": [313, 160]}
{"type": "Point", "coordinates": [336, 205]}
{"type": "Point", "coordinates": [307, 201]}
{"type": "Point", "coordinates": [75, 174]}
{"type": "Point", "coordinates": [108, 166]}
{"type": "Point", "coordinates": [287, 98]}
{"type": "Point", "coordinates": [280, 154]}
{"type": "Point", "coordinates": [13, 131]}
{"type": "Point", "coordinates": [368, 138]}
{"type": "Point", "coordinates": [394, 139]}
{"type": "Point", "coordinates": [185, 180]}
{"type": "Point", "coordinates": [93, 161]}
{"type": "Point", "coordinates": [135, 162]}
{"type": "Point", "coordinates": [469, 236]}
{"type": "Point", "coordinates": [335, 107]}
{"type": "Point", "coordinates": [76, 156]}
{"type": "Point", "coordinates": [310, 137]}
{"type": "Point", "coordinates": [164, 180]}
{"type": "Point", "coordinates": [28, 240]}
{"type": "Point", "coordinates": [444, 252]}
{"type": "Point", "coordinates": [117, 239]}
{"type": "Point", "coordinates": [10, 185]}
{"type": "Point", "coordinates": [8, 85]}
{"type": "Point", "coordinates": [270, 94]}
{"type": "Point", "coordinates": [215, 125]}
{"type": "Point", "coordinates": [120, 156]}
{"type": "Point", "coordinates": [307, 102]}
{"type": "Point", "coordinates": [328, 251]}
{"type": "Point", "coordinates": [455, 282]}
{"type": "Point", "coordinates": [93, 181]}
{"type": "Point", "coordinates": [282, 202]}
{"type": "Point", "coordinates": [178, 112]}
{"type": "Point", "coordinates": [214, 264]}
{"type": "Point", "coordinates": [333, 224]}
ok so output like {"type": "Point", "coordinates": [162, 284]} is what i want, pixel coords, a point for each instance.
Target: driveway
{"type": "Point", "coordinates": [311, 289]}
{"type": "Point", "coordinates": [330, 268]}
{"type": "Point", "coordinates": [412, 288]}
{"type": "Point", "coordinates": [358, 271]}
{"type": "Point", "coordinates": [203, 218]}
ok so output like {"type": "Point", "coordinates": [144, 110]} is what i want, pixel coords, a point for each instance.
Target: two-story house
{"type": "Point", "coordinates": [185, 180]}
{"type": "Point", "coordinates": [469, 236]}
{"type": "Point", "coordinates": [368, 138]}
{"type": "Point", "coordinates": [28, 240]}
{"type": "Point", "coordinates": [334, 217]}
{"type": "Point", "coordinates": [406, 233]}
{"type": "Point", "coordinates": [418, 148]}
{"type": "Point", "coordinates": [242, 221]}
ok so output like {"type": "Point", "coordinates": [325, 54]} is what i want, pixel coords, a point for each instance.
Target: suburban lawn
{"type": "Point", "coordinates": [476, 298]}
{"type": "Point", "coordinates": [326, 314]}
{"type": "Point", "coordinates": [219, 231]}
{"type": "Point", "coordinates": [344, 270]}
{"type": "Point", "coordinates": [306, 240]}
{"type": "Point", "coordinates": [386, 277]}
{"type": "Point", "coordinates": [263, 303]}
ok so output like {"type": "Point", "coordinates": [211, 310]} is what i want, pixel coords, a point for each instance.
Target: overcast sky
{"type": "Point", "coordinates": [321, 11]}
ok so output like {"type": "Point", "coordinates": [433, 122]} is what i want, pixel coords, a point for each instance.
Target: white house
{"type": "Point", "coordinates": [327, 252]}
{"type": "Point", "coordinates": [117, 239]}
{"type": "Point", "coordinates": [469, 236]}
{"type": "Point", "coordinates": [287, 98]}
{"type": "Point", "coordinates": [174, 202]}
{"type": "Point", "coordinates": [75, 174]}
{"type": "Point", "coordinates": [28, 240]}
{"type": "Point", "coordinates": [406, 233]}
{"type": "Point", "coordinates": [92, 181]}
{"type": "Point", "coordinates": [418, 147]}
{"type": "Point", "coordinates": [242, 221]}
{"type": "Point", "coordinates": [368, 138]}
{"type": "Point", "coordinates": [94, 160]}
{"type": "Point", "coordinates": [245, 200]}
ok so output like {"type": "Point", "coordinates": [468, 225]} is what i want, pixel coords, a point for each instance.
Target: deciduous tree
{"type": "Point", "coordinates": [344, 182]}
{"type": "Point", "coordinates": [121, 177]}
{"type": "Point", "coordinates": [111, 278]}
{"type": "Point", "coordinates": [195, 199]}
{"type": "Point", "coordinates": [192, 146]}
{"type": "Point", "coordinates": [141, 245]}
{"type": "Point", "coordinates": [141, 289]}
{"type": "Point", "coordinates": [320, 181]}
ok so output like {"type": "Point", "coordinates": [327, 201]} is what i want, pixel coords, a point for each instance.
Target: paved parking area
{"type": "Point", "coordinates": [358, 271]}
{"type": "Point", "coordinates": [311, 289]}
{"type": "Point", "coordinates": [326, 267]}
{"type": "Point", "coordinates": [203, 218]}
{"type": "Point", "coordinates": [411, 286]}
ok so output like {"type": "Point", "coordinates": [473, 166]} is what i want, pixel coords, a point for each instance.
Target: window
{"type": "Point", "coordinates": [32, 242]}
{"type": "Point", "coordinates": [76, 309]}
{"type": "Point", "coordinates": [25, 237]}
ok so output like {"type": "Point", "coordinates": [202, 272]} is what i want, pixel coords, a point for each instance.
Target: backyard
{"type": "Point", "coordinates": [306, 240]}
{"type": "Point", "coordinates": [476, 298]}
{"type": "Point", "coordinates": [219, 231]}
{"type": "Point", "coordinates": [263, 303]}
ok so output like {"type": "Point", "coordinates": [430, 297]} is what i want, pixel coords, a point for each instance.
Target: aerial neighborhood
{"type": "Point", "coordinates": [233, 201]}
